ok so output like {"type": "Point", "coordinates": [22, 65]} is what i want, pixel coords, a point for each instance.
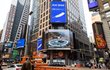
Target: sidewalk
{"type": "Point", "coordinates": [88, 69]}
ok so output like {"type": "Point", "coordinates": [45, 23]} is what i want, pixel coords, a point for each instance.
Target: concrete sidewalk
{"type": "Point", "coordinates": [89, 69]}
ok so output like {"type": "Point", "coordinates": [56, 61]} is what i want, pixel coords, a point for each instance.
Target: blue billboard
{"type": "Point", "coordinates": [58, 12]}
{"type": "Point", "coordinates": [92, 4]}
{"type": "Point", "coordinates": [39, 44]}
{"type": "Point", "coordinates": [20, 43]}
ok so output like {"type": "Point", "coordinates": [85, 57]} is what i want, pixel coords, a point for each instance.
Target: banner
{"type": "Point", "coordinates": [39, 44]}
{"type": "Point", "coordinates": [92, 4]}
{"type": "Point", "coordinates": [100, 42]}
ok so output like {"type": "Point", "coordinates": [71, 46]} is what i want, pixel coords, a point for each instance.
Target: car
{"type": "Point", "coordinates": [57, 64]}
{"type": "Point", "coordinates": [15, 67]}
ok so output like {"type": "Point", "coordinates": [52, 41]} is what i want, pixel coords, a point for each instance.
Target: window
{"type": "Point", "coordinates": [109, 24]}
{"type": "Point", "coordinates": [106, 5]}
{"type": "Point", "coordinates": [46, 17]}
{"type": "Point", "coordinates": [107, 14]}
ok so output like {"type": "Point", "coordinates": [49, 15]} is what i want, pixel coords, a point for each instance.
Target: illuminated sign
{"type": "Point", "coordinates": [58, 12]}
{"type": "Point", "coordinates": [9, 44]}
{"type": "Point", "coordinates": [20, 43]}
{"type": "Point", "coordinates": [92, 4]}
{"type": "Point", "coordinates": [60, 38]}
{"type": "Point", "coordinates": [100, 42]}
{"type": "Point", "coordinates": [39, 44]}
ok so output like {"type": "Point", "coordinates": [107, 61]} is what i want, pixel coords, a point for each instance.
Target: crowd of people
{"type": "Point", "coordinates": [98, 65]}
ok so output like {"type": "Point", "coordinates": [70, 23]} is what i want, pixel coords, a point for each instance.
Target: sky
{"type": "Point", "coordinates": [4, 9]}
{"type": "Point", "coordinates": [88, 18]}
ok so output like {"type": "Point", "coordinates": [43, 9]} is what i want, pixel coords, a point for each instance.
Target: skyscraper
{"type": "Point", "coordinates": [16, 24]}
{"type": "Point", "coordinates": [20, 20]}
{"type": "Point", "coordinates": [40, 23]}
{"type": "Point", "coordinates": [103, 7]}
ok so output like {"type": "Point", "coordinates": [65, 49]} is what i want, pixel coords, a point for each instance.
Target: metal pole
{"type": "Point", "coordinates": [26, 41]}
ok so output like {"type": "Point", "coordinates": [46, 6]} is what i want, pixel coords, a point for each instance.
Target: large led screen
{"type": "Point", "coordinates": [92, 4]}
{"type": "Point", "coordinates": [59, 38]}
{"type": "Point", "coordinates": [9, 44]}
{"type": "Point", "coordinates": [20, 43]}
{"type": "Point", "coordinates": [58, 12]}
{"type": "Point", "coordinates": [39, 44]}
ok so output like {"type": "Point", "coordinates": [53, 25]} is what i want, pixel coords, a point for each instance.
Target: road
{"type": "Point", "coordinates": [89, 69]}
{"type": "Point", "coordinates": [5, 68]}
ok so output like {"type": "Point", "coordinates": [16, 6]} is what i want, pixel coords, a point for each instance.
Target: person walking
{"type": "Point", "coordinates": [27, 65]}
{"type": "Point", "coordinates": [1, 64]}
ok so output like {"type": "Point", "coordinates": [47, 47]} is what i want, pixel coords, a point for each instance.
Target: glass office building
{"type": "Point", "coordinates": [40, 23]}
{"type": "Point", "coordinates": [20, 19]}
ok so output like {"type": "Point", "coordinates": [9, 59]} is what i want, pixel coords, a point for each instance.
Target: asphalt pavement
{"type": "Point", "coordinates": [6, 68]}
{"type": "Point", "coordinates": [89, 69]}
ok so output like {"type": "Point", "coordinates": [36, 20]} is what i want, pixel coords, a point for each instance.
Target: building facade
{"type": "Point", "coordinates": [16, 25]}
{"type": "Point", "coordinates": [20, 20]}
{"type": "Point", "coordinates": [105, 15]}
{"type": "Point", "coordinates": [41, 23]}
{"type": "Point", "coordinates": [10, 22]}
{"type": "Point", "coordinates": [104, 11]}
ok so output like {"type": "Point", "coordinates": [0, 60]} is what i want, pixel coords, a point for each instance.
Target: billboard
{"type": "Point", "coordinates": [20, 43]}
{"type": "Point", "coordinates": [92, 4]}
{"type": "Point", "coordinates": [58, 12]}
{"type": "Point", "coordinates": [39, 44]}
{"type": "Point", "coordinates": [15, 53]}
{"type": "Point", "coordinates": [99, 35]}
{"type": "Point", "coordinates": [9, 44]}
{"type": "Point", "coordinates": [61, 38]}
{"type": "Point", "coordinates": [100, 42]}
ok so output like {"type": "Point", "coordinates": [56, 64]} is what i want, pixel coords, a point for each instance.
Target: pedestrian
{"type": "Point", "coordinates": [33, 65]}
{"type": "Point", "coordinates": [1, 64]}
{"type": "Point", "coordinates": [27, 65]}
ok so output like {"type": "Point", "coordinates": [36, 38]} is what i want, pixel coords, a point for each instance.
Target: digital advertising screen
{"type": "Point", "coordinates": [21, 43]}
{"type": "Point", "coordinates": [92, 4]}
{"type": "Point", "coordinates": [58, 12]}
{"type": "Point", "coordinates": [59, 38]}
{"type": "Point", "coordinates": [39, 44]}
{"type": "Point", "coordinates": [9, 45]}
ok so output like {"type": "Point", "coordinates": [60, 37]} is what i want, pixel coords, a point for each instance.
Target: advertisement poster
{"type": "Point", "coordinates": [101, 43]}
{"type": "Point", "coordinates": [92, 4]}
{"type": "Point", "coordinates": [59, 38]}
{"type": "Point", "coordinates": [21, 43]}
{"type": "Point", "coordinates": [58, 12]}
{"type": "Point", "coordinates": [39, 44]}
